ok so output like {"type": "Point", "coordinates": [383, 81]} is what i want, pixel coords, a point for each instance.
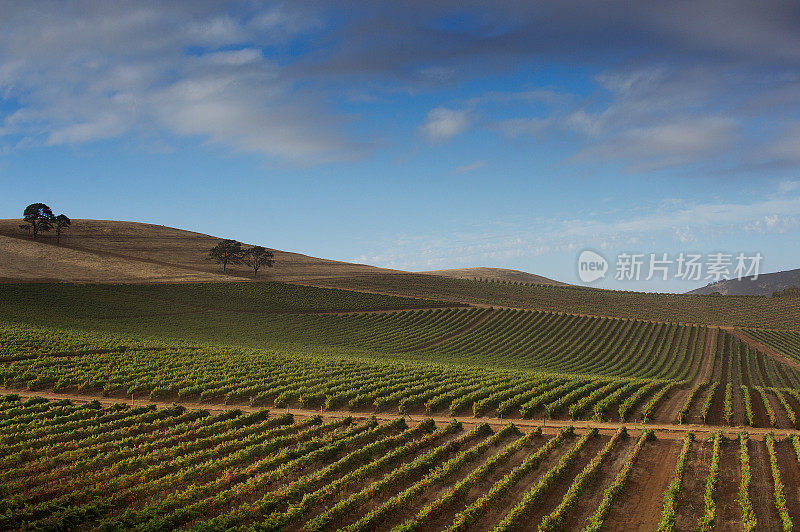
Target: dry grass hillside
{"type": "Point", "coordinates": [494, 274]}
{"type": "Point", "coordinates": [113, 251]}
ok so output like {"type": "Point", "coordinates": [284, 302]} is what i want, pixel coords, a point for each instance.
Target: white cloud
{"type": "Point", "coordinates": [103, 126]}
{"type": "Point", "coordinates": [443, 124]}
{"type": "Point", "coordinates": [773, 223]}
{"type": "Point", "coordinates": [671, 143]}
{"type": "Point", "coordinates": [93, 71]}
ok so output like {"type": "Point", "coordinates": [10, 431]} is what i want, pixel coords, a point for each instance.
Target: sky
{"type": "Point", "coordinates": [418, 135]}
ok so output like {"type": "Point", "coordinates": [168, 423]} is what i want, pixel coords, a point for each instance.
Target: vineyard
{"type": "Point", "coordinates": [258, 378]}
{"type": "Point", "coordinates": [453, 361]}
{"type": "Point", "coordinates": [66, 466]}
{"type": "Point", "coordinates": [119, 301]}
{"type": "Point", "coordinates": [736, 311]}
{"type": "Point", "coordinates": [785, 342]}
{"type": "Point", "coordinates": [745, 387]}
{"type": "Point", "coordinates": [279, 407]}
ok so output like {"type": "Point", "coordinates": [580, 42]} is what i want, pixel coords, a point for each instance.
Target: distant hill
{"type": "Point", "coordinates": [765, 285]}
{"type": "Point", "coordinates": [494, 274]}
{"type": "Point", "coordinates": [130, 252]}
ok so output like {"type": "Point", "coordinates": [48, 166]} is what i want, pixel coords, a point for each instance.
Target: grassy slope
{"type": "Point", "coordinates": [131, 251]}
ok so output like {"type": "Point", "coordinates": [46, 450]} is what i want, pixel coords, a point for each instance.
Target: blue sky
{"type": "Point", "coordinates": [416, 135]}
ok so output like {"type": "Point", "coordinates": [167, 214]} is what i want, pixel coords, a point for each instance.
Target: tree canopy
{"type": "Point", "coordinates": [226, 251]}
{"type": "Point", "coordinates": [256, 257]}
{"type": "Point", "coordinates": [62, 222]}
{"type": "Point", "coordinates": [39, 217]}
{"type": "Point", "coordinates": [231, 252]}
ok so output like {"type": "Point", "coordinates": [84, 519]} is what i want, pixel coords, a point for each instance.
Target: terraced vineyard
{"type": "Point", "coordinates": [122, 468]}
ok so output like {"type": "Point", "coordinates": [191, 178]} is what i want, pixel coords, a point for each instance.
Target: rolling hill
{"type": "Point", "coordinates": [765, 285]}
{"type": "Point", "coordinates": [131, 252]}
{"type": "Point", "coordinates": [494, 274]}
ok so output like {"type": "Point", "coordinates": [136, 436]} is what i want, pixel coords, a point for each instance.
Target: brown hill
{"type": "Point", "coordinates": [765, 285]}
{"type": "Point", "coordinates": [494, 274]}
{"type": "Point", "coordinates": [113, 251]}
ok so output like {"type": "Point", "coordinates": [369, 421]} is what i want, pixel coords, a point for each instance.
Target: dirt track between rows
{"type": "Point", "coordinates": [669, 409]}
{"type": "Point", "coordinates": [662, 430]}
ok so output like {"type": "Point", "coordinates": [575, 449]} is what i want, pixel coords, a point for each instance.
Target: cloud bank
{"type": "Point", "coordinates": [667, 84]}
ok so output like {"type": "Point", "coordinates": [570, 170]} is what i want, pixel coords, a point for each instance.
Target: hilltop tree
{"type": "Point", "coordinates": [226, 251]}
{"type": "Point", "coordinates": [256, 257]}
{"type": "Point", "coordinates": [39, 216]}
{"type": "Point", "coordinates": [62, 222]}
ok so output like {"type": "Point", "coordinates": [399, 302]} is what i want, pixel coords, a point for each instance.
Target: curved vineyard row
{"type": "Point", "coordinates": [785, 342]}
{"type": "Point", "coordinates": [739, 311]}
{"type": "Point", "coordinates": [260, 378]}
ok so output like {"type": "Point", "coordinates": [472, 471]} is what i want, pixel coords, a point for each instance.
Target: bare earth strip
{"type": "Point", "coordinates": [690, 503]}
{"type": "Point", "coordinates": [550, 426]}
{"type": "Point", "coordinates": [638, 506]}
{"type": "Point", "coordinates": [728, 510]}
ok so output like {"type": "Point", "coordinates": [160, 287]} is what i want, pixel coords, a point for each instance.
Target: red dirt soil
{"type": "Point", "coordinates": [638, 506]}
{"type": "Point", "coordinates": [762, 486]}
{"type": "Point", "coordinates": [729, 513]}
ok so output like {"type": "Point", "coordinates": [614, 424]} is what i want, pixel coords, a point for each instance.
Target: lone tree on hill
{"type": "Point", "coordinates": [227, 251]}
{"type": "Point", "coordinates": [62, 222]}
{"type": "Point", "coordinates": [39, 217]}
{"type": "Point", "coordinates": [256, 257]}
